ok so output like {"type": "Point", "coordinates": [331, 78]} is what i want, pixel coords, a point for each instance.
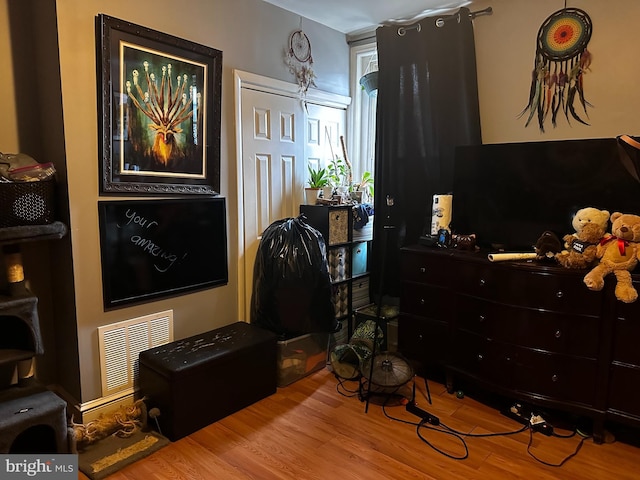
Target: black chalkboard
{"type": "Point", "coordinates": [152, 249]}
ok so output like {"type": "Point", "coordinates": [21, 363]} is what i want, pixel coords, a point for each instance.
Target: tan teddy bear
{"type": "Point", "coordinates": [590, 225]}
{"type": "Point", "coordinates": [618, 254]}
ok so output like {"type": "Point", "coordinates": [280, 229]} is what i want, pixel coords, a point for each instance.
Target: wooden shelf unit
{"type": "Point", "coordinates": [347, 255]}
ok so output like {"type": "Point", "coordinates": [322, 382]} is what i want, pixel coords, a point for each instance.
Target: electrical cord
{"type": "Point", "coordinates": [571, 435]}
{"type": "Point", "coordinates": [461, 436]}
{"type": "Point", "coordinates": [343, 390]}
{"type": "Point", "coordinates": [565, 460]}
{"type": "Point", "coordinates": [447, 431]}
{"type": "Point", "coordinates": [443, 428]}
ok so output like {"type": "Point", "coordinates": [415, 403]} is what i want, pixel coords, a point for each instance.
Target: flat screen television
{"type": "Point", "coordinates": [509, 194]}
{"type": "Point", "coordinates": [152, 249]}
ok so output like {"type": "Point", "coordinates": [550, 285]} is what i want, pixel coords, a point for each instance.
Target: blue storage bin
{"type": "Point", "coordinates": [359, 255]}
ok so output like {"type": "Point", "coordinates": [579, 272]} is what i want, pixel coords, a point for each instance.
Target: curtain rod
{"type": "Point", "coordinates": [440, 21]}
{"type": "Point", "coordinates": [416, 26]}
{"type": "Point", "coordinates": [487, 11]}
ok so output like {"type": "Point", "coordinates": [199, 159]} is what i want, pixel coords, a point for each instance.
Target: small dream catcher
{"type": "Point", "coordinates": [561, 61]}
{"type": "Point", "coordinates": [299, 60]}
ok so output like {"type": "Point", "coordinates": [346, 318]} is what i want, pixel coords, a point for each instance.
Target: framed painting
{"type": "Point", "coordinates": [159, 112]}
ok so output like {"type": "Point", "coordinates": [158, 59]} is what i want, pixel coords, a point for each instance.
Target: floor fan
{"type": "Point", "coordinates": [387, 370]}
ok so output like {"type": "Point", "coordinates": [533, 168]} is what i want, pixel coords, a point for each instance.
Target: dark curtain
{"type": "Point", "coordinates": [427, 105]}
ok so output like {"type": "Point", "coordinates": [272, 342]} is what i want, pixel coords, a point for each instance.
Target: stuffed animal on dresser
{"type": "Point", "coordinates": [590, 225]}
{"type": "Point", "coordinates": [618, 253]}
{"type": "Point", "coordinates": [547, 245]}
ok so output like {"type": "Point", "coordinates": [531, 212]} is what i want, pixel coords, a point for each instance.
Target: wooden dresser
{"type": "Point", "coordinates": [531, 331]}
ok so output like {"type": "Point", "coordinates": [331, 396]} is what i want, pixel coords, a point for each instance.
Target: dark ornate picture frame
{"type": "Point", "coordinates": [159, 111]}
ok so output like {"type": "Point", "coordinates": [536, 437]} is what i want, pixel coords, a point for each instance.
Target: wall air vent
{"type": "Point", "coordinates": [120, 343]}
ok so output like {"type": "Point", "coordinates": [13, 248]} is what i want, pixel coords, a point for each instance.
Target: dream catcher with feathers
{"type": "Point", "coordinates": [299, 60]}
{"type": "Point", "coordinates": [562, 59]}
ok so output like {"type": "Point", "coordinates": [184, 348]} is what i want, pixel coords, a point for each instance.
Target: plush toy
{"type": "Point", "coordinates": [618, 254]}
{"type": "Point", "coordinates": [547, 245]}
{"type": "Point", "coordinates": [590, 225]}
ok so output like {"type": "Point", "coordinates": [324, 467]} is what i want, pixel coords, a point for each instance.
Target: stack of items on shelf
{"type": "Point", "coordinates": [26, 191]}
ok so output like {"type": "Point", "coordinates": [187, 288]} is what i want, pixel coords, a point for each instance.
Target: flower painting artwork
{"type": "Point", "coordinates": [162, 112]}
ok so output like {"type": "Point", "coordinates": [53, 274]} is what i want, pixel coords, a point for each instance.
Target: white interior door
{"type": "Point", "coordinates": [324, 127]}
{"type": "Point", "coordinates": [277, 139]}
{"type": "Point", "coordinates": [273, 168]}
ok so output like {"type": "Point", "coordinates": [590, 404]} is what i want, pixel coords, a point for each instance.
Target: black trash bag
{"type": "Point", "coordinates": [292, 293]}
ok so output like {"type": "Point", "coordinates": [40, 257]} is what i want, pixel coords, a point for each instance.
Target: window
{"type": "Point", "coordinates": [364, 59]}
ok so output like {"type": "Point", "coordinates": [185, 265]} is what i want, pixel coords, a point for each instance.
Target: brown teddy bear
{"type": "Point", "coordinates": [618, 254]}
{"type": "Point", "coordinates": [590, 225]}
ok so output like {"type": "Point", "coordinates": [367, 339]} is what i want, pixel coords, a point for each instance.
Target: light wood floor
{"type": "Point", "coordinates": [309, 431]}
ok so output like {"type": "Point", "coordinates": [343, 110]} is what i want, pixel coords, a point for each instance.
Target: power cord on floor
{"type": "Point", "coordinates": [343, 390]}
{"type": "Point", "coordinates": [566, 459]}
{"type": "Point", "coordinates": [443, 428]}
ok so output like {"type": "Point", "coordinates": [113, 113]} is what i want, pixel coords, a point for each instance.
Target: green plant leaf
{"type": "Point", "coordinates": [317, 178]}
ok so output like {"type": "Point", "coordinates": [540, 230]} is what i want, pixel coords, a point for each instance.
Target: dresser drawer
{"type": "Point", "coordinates": [426, 301]}
{"type": "Point", "coordinates": [527, 288]}
{"type": "Point", "coordinates": [423, 340]}
{"type": "Point", "coordinates": [627, 333]}
{"type": "Point", "coordinates": [481, 358]}
{"type": "Point", "coordinates": [427, 269]}
{"type": "Point", "coordinates": [561, 377]}
{"type": "Point", "coordinates": [533, 372]}
{"type": "Point", "coordinates": [624, 389]}
{"type": "Point", "coordinates": [549, 331]}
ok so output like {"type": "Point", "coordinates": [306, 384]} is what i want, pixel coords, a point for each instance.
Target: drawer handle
{"type": "Point", "coordinates": [482, 282]}
{"type": "Point", "coordinates": [554, 378]}
{"type": "Point", "coordinates": [481, 318]}
{"type": "Point", "coordinates": [480, 357]}
{"type": "Point", "coordinates": [422, 302]}
{"type": "Point", "coordinates": [559, 294]}
{"type": "Point", "coordinates": [423, 270]}
{"type": "Point", "coordinates": [558, 333]}
{"type": "Point", "coordinates": [358, 251]}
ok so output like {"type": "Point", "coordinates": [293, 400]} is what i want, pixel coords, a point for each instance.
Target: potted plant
{"type": "Point", "coordinates": [318, 179]}
{"type": "Point", "coordinates": [369, 82]}
{"type": "Point", "coordinates": [364, 187]}
{"type": "Point", "coordinates": [339, 172]}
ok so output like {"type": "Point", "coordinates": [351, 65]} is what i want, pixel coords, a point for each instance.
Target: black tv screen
{"type": "Point", "coordinates": [509, 194]}
{"type": "Point", "coordinates": [153, 249]}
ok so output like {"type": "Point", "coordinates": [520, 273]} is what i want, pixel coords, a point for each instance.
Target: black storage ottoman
{"type": "Point", "coordinates": [201, 379]}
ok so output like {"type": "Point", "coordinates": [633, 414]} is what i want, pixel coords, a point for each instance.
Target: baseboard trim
{"type": "Point", "coordinates": [93, 409]}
